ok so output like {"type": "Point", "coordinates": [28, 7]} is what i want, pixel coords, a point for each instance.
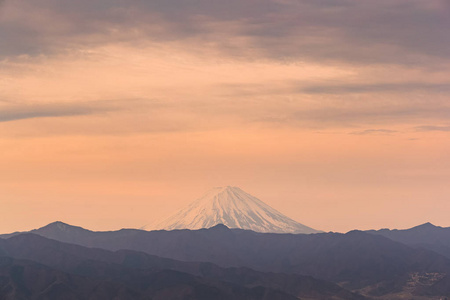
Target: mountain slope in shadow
{"type": "Point", "coordinates": [357, 260]}
{"type": "Point", "coordinates": [135, 270]}
{"type": "Point", "coordinates": [426, 236]}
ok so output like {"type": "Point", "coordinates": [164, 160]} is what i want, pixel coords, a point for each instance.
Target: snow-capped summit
{"type": "Point", "coordinates": [234, 208]}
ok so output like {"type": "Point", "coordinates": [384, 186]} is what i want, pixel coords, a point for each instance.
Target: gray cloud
{"type": "Point", "coordinates": [376, 88]}
{"type": "Point", "coordinates": [374, 131]}
{"type": "Point", "coordinates": [386, 31]}
{"type": "Point", "coordinates": [16, 112]}
{"type": "Point", "coordinates": [348, 116]}
{"type": "Point", "coordinates": [433, 128]}
{"type": "Point", "coordinates": [409, 32]}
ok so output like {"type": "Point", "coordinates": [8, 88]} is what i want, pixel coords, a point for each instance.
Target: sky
{"type": "Point", "coordinates": [117, 113]}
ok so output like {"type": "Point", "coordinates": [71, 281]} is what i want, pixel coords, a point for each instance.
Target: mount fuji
{"type": "Point", "coordinates": [233, 208]}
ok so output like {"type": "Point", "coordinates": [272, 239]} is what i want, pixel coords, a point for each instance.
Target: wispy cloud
{"type": "Point", "coordinates": [16, 112]}
{"type": "Point", "coordinates": [377, 88]}
{"type": "Point", "coordinates": [374, 131]}
{"type": "Point", "coordinates": [315, 60]}
{"type": "Point", "coordinates": [394, 31]}
{"type": "Point", "coordinates": [370, 114]}
{"type": "Point", "coordinates": [433, 128]}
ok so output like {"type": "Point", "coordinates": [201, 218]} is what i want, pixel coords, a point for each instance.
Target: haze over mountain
{"type": "Point", "coordinates": [234, 208]}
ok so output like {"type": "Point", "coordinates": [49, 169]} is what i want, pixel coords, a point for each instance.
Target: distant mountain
{"type": "Point", "coordinates": [370, 263]}
{"type": "Point", "coordinates": [136, 274]}
{"type": "Point", "coordinates": [427, 236]}
{"type": "Point", "coordinates": [57, 230]}
{"type": "Point", "coordinates": [234, 208]}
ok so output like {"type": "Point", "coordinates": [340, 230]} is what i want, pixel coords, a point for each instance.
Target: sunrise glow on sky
{"type": "Point", "coordinates": [114, 113]}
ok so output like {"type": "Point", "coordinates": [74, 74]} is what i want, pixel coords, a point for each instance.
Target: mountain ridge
{"type": "Point", "coordinates": [131, 268]}
{"type": "Point", "coordinates": [356, 260]}
{"type": "Point", "coordinates": [360, 261]}
{"type": "Point", "coordinates": [427, 236]}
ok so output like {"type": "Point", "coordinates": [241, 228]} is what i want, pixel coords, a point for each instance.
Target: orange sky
{"type": "Point", "coordinates": [322, 111]}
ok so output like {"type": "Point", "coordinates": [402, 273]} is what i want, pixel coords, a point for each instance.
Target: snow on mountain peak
{"type": "Point", "coordinates": [234, 208]}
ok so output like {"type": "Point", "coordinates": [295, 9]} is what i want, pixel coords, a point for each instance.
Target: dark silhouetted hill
{"type": "Point", "coordinates": [136, 270]}
{"type": "Point", "coordinates": [357, 260]}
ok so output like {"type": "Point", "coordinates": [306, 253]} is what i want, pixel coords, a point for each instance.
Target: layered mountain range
{"type": "Point", "coordinates": [225, 245]}
{"type": "Point", "coordinates": [317, 266]}
{"type": "Point", "coordinates": [34, 267]}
